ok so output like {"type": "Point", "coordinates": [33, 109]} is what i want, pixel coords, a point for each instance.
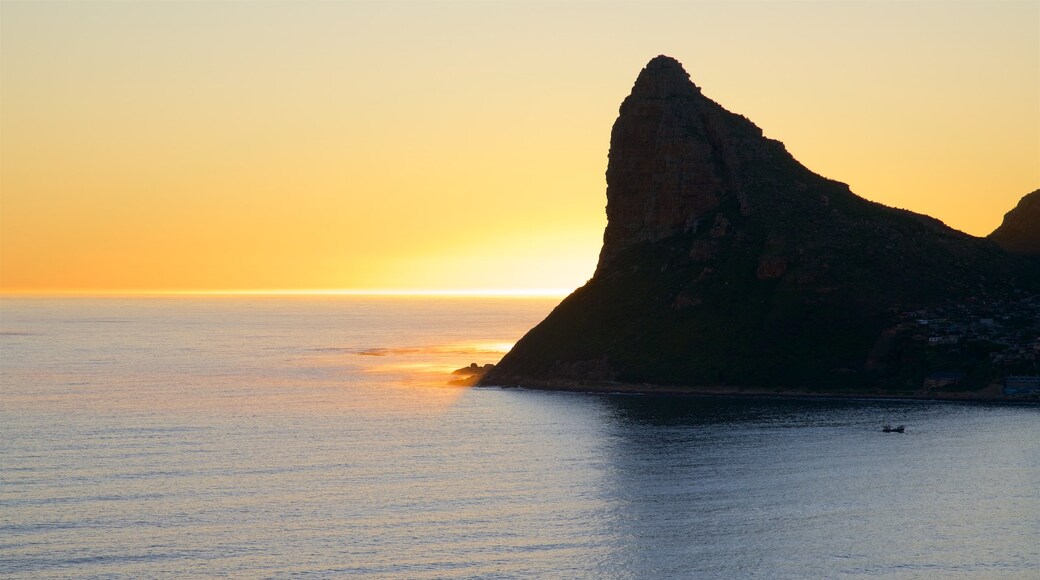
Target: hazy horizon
{"type": "Point", "coordinates": [389, 293]}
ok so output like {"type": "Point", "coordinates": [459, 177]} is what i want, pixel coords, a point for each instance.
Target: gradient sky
{"type": "Point", "coordinates": [166, 146]}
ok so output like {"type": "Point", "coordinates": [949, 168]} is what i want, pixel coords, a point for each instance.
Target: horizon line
{"type": "Point", "coordinates": [432, 293]}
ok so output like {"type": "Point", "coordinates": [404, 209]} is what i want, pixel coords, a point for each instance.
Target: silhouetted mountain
{"type": "Point", "coordinates": [725, 261]}
{"type": "Point", "coordinates": [1020, 230]}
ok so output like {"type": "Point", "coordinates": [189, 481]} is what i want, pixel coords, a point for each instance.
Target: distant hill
{"type": "Point", "coordinates": [727, 262]}
{"type": "Point", "coordinates": [1020, 231]}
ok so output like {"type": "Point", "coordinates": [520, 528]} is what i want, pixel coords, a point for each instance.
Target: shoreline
{"type": "Point", "coordinates": [609, 388]}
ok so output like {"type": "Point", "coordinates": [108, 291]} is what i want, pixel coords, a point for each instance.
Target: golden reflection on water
{"type": "Point", "coordinates": [375, 356]}
{"type": "Point", "coordinates": [427, 370]}
{"type": "Point", "coordinates": [440, 360]}
{"type": "Point", "coordinates": [412, 379]}
{"type": "Point", "coordinates": [418, 378]}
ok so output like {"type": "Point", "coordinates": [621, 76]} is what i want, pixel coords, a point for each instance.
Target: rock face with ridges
{"type": "Point", "coordinates": [725, 261]}
{"type": "Point", "coordinates": [1020, 231]}
{"type": "Point", "coordinates": [674, 155]}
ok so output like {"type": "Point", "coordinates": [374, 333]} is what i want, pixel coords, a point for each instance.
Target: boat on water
{"type": "Point", "coordinates": [890, 429]}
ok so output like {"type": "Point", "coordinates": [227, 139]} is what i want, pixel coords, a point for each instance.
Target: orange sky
{"type": "Point", "coordinates": [162, 146]}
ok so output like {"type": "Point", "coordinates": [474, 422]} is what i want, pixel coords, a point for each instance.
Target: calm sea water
{"type": "Point", "coordinates": [317, 437]}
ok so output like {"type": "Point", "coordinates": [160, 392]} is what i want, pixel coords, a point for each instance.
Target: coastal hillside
{"type": "Point", "coordinates": [725, 262]}
{"type": "Point", "coordinates": [1020, 230]}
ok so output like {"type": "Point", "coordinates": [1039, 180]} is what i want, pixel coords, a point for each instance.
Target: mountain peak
{"type": "Point", "coordinates": [674, 155]}
{"type": "Point", "coordinates": [664, 77]}
{"type": "Point", "coordinates": [727, 262]}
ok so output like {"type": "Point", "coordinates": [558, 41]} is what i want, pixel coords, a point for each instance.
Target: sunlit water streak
{"type": "Point", "coordinates": [283, 436]}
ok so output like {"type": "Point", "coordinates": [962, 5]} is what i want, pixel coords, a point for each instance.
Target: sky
{"type": "Point", "coordinates": [438, 146]}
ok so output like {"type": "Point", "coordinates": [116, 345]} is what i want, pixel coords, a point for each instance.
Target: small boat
{"type": "Point", "coordinates": [890, 429]}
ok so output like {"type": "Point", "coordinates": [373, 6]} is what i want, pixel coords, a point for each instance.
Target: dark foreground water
{"type": "Point", "coordinates": [316, 437]}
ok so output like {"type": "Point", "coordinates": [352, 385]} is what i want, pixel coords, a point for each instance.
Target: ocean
{"type": "Point", "coordinates": [318, 437]}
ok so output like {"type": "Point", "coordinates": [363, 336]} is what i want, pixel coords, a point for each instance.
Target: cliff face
{"type": "Point", "coordinates": [1020, 231]}
{"type": "Point", "coordinates": [725, 261]}
{"type": "Point", "coordinates": [674, 156]}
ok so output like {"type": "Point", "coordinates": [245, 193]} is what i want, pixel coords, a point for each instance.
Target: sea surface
{"type": "Point", "coordinates": [318, 437]}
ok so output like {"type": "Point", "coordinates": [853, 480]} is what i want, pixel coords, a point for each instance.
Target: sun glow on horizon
{"type": "Point", "coordinates": [404, 293]}
{"type": "Point", "coordinates": [223, 148]}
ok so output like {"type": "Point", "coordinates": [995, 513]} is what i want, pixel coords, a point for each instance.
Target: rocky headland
{"type": "Point", "coordinates": [1020, 231]}
{"type": "Point", "coordinates": [728, 266]}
